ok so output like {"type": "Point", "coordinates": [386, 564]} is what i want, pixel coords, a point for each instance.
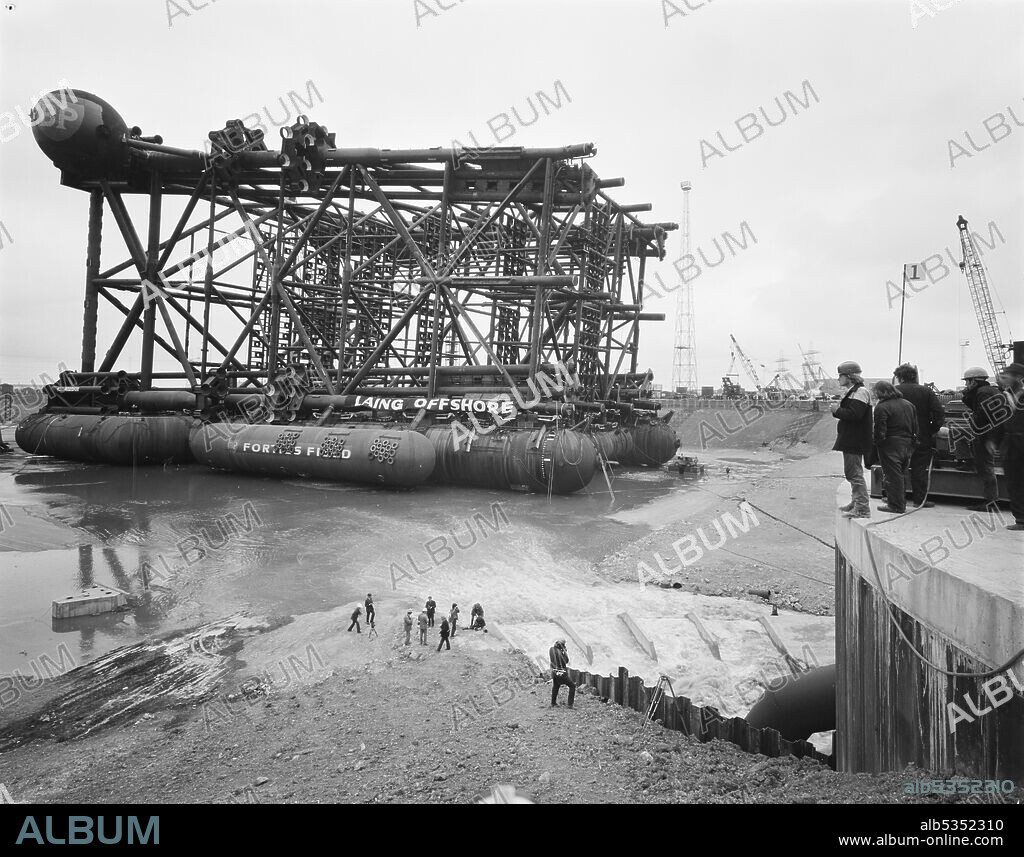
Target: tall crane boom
{"type": "Point", "coordinates": [748, 366]}
{"type": "Point", "coordinates": [977, 283]}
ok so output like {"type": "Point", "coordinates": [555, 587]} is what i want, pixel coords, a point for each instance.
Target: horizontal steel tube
{"type": "Point", "coordinates": [370, 157]}
{"type": "Point", "coordinates": [555, 281]}
{"type": "Point", "coordinates": [161, 400]}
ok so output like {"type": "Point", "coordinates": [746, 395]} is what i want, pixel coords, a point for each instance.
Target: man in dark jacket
{"type": "Point", "coordinates": [895, 434]}
{"type": "Point", "coordinates": [355, 620]}
{"type": "Point", "coordinates": [560, 673]}
{"type": "Point", "coordinates": [853, 436]}
{"type": "Point", "coordinates": [1013, 460]}
{"type": "Point", "coordinates": [431, 606]}
{"type": "Point", "coordinates": [930, 417]}
{"type": "Point", "coordinates": [983, 400]}
{"type": "Point", "coordinates": [444, 629]}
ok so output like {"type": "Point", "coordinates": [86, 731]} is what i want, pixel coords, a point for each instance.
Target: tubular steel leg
{"type": "Point", "coordinates": [152, 258]}
{"type": "Point", "coordinates": [92, 270]}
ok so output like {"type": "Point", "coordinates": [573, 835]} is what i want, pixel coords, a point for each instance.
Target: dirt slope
{"type": "Point", "coordinates": [753, 427]}
{"type": "Point", "coordinates": [409, 727]}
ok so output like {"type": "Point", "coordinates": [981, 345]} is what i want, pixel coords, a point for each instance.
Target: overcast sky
{"type": "Point", "coordinates": [838, 196]}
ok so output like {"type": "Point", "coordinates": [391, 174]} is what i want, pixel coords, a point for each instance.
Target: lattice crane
{"type": "Point", "coordinates": [977, 282]}
{"type": "Point", "coordinates": [748, 365]}
{"type": "Point", "coordinates": [813, 373]}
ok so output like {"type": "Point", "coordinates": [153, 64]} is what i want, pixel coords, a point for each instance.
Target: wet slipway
{"type": "Point", "coordinates": [192, 546]}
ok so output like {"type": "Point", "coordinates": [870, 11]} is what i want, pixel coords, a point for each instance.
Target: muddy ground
{"type": "Point", "coordinates": [234, 678]}
{"type": "Point", "coordinates": [386, 723]}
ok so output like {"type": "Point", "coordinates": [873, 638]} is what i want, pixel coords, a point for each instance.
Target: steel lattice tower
{"type": "Point", "coordinates": [684, 363]}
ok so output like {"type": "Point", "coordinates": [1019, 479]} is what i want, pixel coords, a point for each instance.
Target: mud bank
{"type": "Point", "coordinates": [795, 432]}
{"type": "Point", "coordinates": [368, 720]}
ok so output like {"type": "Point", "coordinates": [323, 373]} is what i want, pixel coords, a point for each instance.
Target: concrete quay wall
{"type": "Point", "coordinates": [963, 611]}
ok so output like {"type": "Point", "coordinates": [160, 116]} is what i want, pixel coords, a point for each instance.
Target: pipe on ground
{"type": "Point", "coordinates": [805, 704]}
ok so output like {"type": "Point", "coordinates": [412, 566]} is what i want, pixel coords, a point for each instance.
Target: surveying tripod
{"type": "Point", "coordinates": [656, 697]}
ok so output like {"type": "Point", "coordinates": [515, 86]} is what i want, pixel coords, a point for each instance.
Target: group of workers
{"type": "Point", "coordinates": [449, 623]}
{"type": "Point", "coordinates": [557, 654]}
{"type": "Point", "coordinates": [899, 433]}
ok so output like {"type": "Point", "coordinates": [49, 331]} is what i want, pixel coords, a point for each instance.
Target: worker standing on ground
{"type": "Point", "coordinates": [408, 627]}
{"type": "Point", "coordinates": [560, 672]}
{"type": "Point", "coordinates": [444, 635]}
{"type": "Point", "coordinates": [453, 617]}
{"type": "Point", "coordinates": [1013, 460]}
{"type": "Point", "coordinates": [853, 436]}
{"type": "Point", "coordinates": [355, 620]}
{"type": "Point", "coordinates": [422, 622]}
{"type": "Point", "coordinates": [895, 434]}
{"type": "Point", "coordinates": [431, 607]}
{"type": "Point", "coordinates": [983, 400]}
{"type": "Point", "coordinates": [371, 612]}
{"type": "Point", "coordinates": [930, 417]}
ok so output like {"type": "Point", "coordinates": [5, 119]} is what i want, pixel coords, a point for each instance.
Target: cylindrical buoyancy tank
{"type": "Point", "coordinates": [113, 439]}
{"type": "Point", "coordinates": [614, 444]}
{"type": "Point", "coordinates": [654, 443]}
{"type": "Point", "coordinates": [350, 453]}
{"type": "Point", "coordinates": [805, 704]}
{"type": "Point", "coordinates": [605, 442]}
{"type": "Point", "coordinates": [561, 460]}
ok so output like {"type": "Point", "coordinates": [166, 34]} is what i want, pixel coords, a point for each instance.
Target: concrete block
{"type": "Point", "coordinates": [710, 640]}
{"type": "Point", "coordinates": [779, 645]}
{"type": "Point", "coordinates": [570, 632]}
{"type": "Point", "coordinates": [90, 602]}
{"type": "Point", "coordinates": [641, 638]}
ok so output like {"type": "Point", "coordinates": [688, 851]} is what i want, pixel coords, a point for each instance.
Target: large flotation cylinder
{"type": "Point", "coordinates": [654, 443]}
{"type": "Point", "coordinates": [541, 459]}
{"type": "Point", "coordinates": [112, 439]}
{"type": "Point", "coordinates": [376, 455]}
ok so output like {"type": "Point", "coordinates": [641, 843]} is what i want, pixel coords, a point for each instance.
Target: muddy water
{"type": "Point", "coordinates": [192, 545]}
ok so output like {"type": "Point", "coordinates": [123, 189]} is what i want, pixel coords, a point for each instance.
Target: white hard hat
{"type": "Point", "coordinates": [975, 372]}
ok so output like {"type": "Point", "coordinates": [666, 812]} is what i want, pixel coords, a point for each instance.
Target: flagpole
{"type": "Point", "coordinates": [903, 303]}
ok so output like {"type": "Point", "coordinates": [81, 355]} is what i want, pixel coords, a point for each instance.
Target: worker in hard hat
{"type": "Point", "coordinates": [1013, 459]}
{"type": "Point", "coordinates": [895, 434]}
{"type": "Point", "coordinates": [984, 401]}
{"type": "Point", "coordinates": [407, 624]}
{"type": "Point", "coordinates": [930, 417]}
{"type": "Point", "coordinates": [853, 436]}
{"type": "Point", "coordinates": [423, 622]}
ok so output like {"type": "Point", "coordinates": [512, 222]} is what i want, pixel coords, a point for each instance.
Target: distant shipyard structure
{"type": "Point", "coordinates": [385, 316]}
{"type": "Point", "coordinates": [684, 360]}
